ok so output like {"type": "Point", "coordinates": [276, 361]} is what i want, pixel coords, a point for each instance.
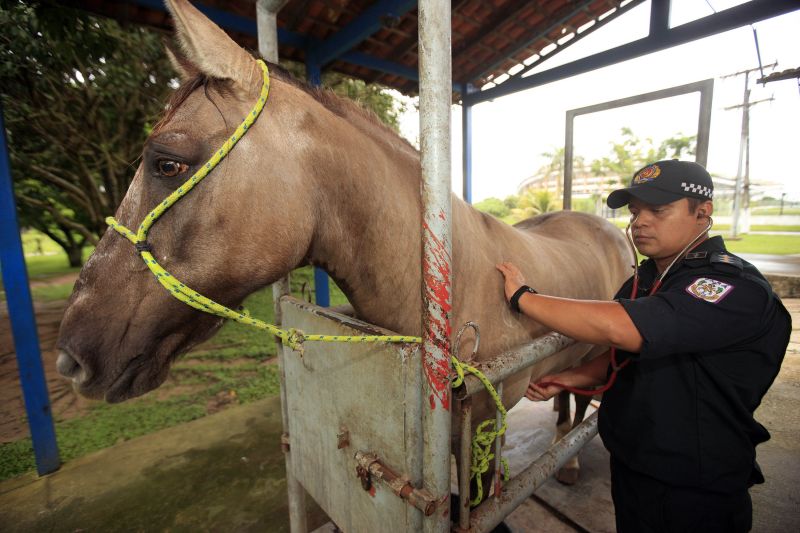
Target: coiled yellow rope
{"type": "Point", "coordinates": [481, 443]}
{"type": "Point", "coordinates": [486, 432]}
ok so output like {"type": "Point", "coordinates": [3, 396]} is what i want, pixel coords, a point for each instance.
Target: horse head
{"type": "Point", "coordinates": [246, 225]}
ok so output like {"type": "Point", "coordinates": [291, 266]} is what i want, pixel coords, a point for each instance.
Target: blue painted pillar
{"type": "Point", "coordinates": [23, 322]}
{"type": "Point", "coordinates": [322, 291]}
{"type": "Point", "coordinates": [466, 143]}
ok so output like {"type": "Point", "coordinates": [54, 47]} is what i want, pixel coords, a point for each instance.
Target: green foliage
{"type": "Point", "coordinates": [79, 96]}
{"type": "Point", "coordinates": [633, 153]}
{"type": "Point", "coordinates": [371, 96]}
{"type": "Point", "coordinates": [529, 204]}
{"type": "Point", "coordinates": [493, 206]}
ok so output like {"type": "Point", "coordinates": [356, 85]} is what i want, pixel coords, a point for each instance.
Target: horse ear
{"type": "Point", "coordinates": [186, 69]}
{"type": "Point", "coordinates": [210, 49]}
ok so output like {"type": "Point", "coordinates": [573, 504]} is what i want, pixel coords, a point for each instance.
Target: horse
{"type": "Point", "coordinates": [317, 180]}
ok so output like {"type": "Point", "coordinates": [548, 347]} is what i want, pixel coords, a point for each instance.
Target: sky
{"type": "Point", "coordinates": [511, 133]}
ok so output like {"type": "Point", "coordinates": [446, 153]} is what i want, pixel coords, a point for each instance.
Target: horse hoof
{"type": "Point", "coordinates": [567, 476]}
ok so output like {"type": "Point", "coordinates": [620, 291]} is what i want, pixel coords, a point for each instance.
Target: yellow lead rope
{"type": "Point", "coordinates": [481, 443]}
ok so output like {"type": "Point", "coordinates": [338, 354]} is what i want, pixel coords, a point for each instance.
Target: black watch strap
{"type": "Point", "coordinates": [513, 302]}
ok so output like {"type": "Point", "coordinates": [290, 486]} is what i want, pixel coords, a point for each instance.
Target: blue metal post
{"type": "Point", "coordinates": [23, 322]}
{"type": "Point", "coordinates": [322, 291]}
{"type": "Point", "coordinates": [466, 142]}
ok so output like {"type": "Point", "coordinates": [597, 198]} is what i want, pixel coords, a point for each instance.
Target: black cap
{"type": "Point", "coordinates": [664, 182]}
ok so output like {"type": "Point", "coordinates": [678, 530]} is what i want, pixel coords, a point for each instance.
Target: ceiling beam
{"type": "Point", "coordinates": [731, 18]}
{"type": "Point", "coordinates": [364, 25]}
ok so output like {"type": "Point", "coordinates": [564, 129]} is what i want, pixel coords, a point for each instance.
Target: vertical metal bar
{"type": "Point", "coordinates": [466, 142]}
{"type": "Point", "coordinates": [435, 74]}
{"type": "Point", "coordinates": [738, 192]}
{"type": "Point", "coordinates": [464, 463]}
{"type": "Point", "coordinates": [267, 25]}
{"type": "Point", "coordinates": [498, 448]}
{"type": "Point", "coordinates": [568, 151]}
{"type": "Point", "coordinates": [266, 11]}
{"type": "Point", "coordinates": [23, 322]}
{"type": "Point", "coordinates": [298, 522]}
{"type": "Point", "coordinates": [413, 430]}
{"type": "Point", "coordinates": [659, 17]}
{"type": "Point", "coordinates": [704, 122]}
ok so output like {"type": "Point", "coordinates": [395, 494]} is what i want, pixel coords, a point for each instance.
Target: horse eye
{"type": "Point", "coordinates": [171, 168]}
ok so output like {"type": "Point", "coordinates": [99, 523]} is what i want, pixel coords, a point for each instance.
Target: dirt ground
{"type": "Point", "coordinates": [65, 402]}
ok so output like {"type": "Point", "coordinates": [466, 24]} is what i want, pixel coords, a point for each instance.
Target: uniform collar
{"type": "Point", "coordinates": [699, 255]}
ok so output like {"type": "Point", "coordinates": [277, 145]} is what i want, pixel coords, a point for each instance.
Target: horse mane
{"type": "Point", "coordinates": [355, 112]}
{"type": "Point", "coordinates": [352, 111]}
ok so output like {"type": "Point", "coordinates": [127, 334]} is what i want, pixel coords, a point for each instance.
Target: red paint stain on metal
{"type": "Point", "coordinates": [436, 269]}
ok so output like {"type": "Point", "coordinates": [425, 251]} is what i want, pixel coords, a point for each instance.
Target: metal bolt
{"type": "Point", "coordinates": [363, 475]}
{"type": "Point", "coordinates": [343, 438]}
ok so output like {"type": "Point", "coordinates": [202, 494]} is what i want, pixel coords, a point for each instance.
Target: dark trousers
{"type": "Point", "coordinates": [646, 505]}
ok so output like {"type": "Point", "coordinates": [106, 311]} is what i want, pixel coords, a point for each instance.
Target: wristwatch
{"type": "Point", "coordinates": [513, 302]}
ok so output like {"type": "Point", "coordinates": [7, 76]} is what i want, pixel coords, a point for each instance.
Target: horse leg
{"type": "Point", "coordinates": [567, 474]}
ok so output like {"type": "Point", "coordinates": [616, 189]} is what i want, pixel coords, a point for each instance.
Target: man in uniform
{"type": "Point", "coordinates": [694, 347]}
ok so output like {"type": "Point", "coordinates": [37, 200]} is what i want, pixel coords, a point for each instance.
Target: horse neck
{"type": "Point", "coordinates": [367, 235]}
{"type": "Point", "coordinates": [368, 232]}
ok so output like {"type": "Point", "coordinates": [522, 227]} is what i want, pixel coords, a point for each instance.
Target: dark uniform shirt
{"type": "Point", "coordinates": [714, 338]}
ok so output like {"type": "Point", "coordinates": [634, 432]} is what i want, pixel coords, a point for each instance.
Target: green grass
{"type": "Point", "coordinates": [106, 425]}
{"type": "Point", "coordinates": [775, 210]}
{"type": "Point", "coordinates": [762, 227]}
{"type": "Point", "coordinates": [234, 365]}
{"type": "Point", "coordinates": [765, 244]}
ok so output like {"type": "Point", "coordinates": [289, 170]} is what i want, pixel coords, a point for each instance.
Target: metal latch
{"type": "Point", "coordinates": [370, 466]}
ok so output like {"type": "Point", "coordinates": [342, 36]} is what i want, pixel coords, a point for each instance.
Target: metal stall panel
{"type": "Point", "coordinates": [349, 398]}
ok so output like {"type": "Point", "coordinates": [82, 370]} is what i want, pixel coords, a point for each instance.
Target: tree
{"type": "Point", "coordinates": [553, 170]}
{"type": "Point", "coordinates": [493, 206]}
{"type": "Point", "coordinates": [633, 153]}
{"type": "Point", "coordinates": [80, 95]}
{"type": "Point", "coordinates": [369, 95]}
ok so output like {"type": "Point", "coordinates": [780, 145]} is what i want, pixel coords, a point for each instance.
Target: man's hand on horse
{"type": "Point", "coordinates": [513, 277]}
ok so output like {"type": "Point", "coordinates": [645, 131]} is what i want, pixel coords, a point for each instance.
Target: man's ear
{"type": "Point", "coordinates": [705, 210]}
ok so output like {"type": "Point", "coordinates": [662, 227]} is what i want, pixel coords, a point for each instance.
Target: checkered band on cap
{"type": "Point", "coordinates": [708, 192]}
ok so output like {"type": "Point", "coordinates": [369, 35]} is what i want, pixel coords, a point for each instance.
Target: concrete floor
{"type": "Point", "coordinates": [225, 472]}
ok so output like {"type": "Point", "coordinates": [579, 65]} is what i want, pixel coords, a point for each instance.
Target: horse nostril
{"type": "Point", "coordinates": [68, 367]}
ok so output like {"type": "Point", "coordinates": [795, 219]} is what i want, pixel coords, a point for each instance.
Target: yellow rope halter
{"type": "Point", "coordinates": [481, 444]}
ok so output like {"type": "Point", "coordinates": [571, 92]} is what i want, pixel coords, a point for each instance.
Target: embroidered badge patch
{"type": "Point", "coordinates": [709, 290]}
{"type": "Point", "coordinates": [648, 173]}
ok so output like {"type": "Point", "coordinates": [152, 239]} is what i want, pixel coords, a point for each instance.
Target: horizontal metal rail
{"type": "Point", "coordinates": [507, 363]}
{"type": "Point", "coordinates": [493, 510]}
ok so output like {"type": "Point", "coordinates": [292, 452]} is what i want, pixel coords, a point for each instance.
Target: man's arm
{"type": "Point", "coordinates": [593, 322]}
{"type": "Point", "coordinates": [587, 375]}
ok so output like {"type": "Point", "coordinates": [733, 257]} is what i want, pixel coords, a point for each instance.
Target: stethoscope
{"type": "Point", "coordinates": [681, 255]}
{"type": "Point", "coordinates": [615, 368]}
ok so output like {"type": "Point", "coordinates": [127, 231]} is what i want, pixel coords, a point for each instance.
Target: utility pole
{"type": "Point", "coordinates": [741, 197]}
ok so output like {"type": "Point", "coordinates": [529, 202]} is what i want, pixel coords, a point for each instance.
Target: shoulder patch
{"type": "Point", "coordinates": [709, 289]}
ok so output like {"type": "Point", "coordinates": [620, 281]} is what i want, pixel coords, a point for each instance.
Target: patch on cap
{"type": "Point", "coordinates": [709, 290]}
{"type": "Point", "coordinates": [648, 173]}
